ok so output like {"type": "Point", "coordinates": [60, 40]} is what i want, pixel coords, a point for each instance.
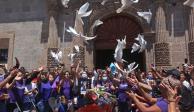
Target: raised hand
{"type": "Point", "coordinates": [171, 93]}
{"type": "Point", "coordinates": [41, 68]}
{"type": "Point", "coordinates": [131, 94]}
{"type": "Point", "coordinates": [19, 76]}
{"type": "Point", "coordinates": [132, 80]}
{"type": "Point", "coordinates": [14, 72]}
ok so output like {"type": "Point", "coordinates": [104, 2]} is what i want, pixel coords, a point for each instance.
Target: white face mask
{"type": "Point", "coordinates": [84, 75]}
{"type": "Point", "coordinates": [104, 78]}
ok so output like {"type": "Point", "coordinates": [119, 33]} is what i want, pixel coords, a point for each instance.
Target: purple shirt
{"type": "Point", "coordinates": [162, 104]}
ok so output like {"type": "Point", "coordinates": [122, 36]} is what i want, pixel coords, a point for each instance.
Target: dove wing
{"type": "Point", "coordinates": [103, 2]}
{"type": "Point", "coordinates": [53, 54]}
{"type": "Point", "coordinates": [83, 8]}
{"type": "Point", "coordinates": [88, 38]}
{"type": "Point", "coordinates": [143, 46]}
{"type": "Point", "coordinates": [60, 54]}
{"type": "Point", "coordinates": [140, 14]}
{"type": "Point", "coordinates": [65, 2]}
{"type": "Point", "coordinates": [135, 47]}
{"type": "Point", "coordinates": [76, 48]}
{"type": "Point", "coordinates": [86, 14]}
{"type": "Point", "coordinates": [189, 3]}
{"type": "Point", "coordinates": [73, 32]}
{"type": "Point", "coordinates": [135, 1]}
{"type": "Point", "coordinates": [130, 66]}
{"type": "Point", "coordinates": [134, 68]}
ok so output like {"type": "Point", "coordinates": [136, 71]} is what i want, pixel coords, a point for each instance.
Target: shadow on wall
{"type": "Point", "coordinates": [61, 16]}
{"type": "Point", "coordinates": [176, 17]}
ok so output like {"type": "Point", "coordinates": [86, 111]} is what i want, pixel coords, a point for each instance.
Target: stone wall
{"type": "Point", "coordinates": [24, 19]}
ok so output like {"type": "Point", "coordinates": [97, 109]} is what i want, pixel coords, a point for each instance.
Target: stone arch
{"type": "Point", "coordinates": [131, 13]}
{"type": "Point", "coordinates": [120, 25]}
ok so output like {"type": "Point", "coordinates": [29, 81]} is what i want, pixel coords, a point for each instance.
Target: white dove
{"type": "Point", "coordinates": [119, 50]}
{"type": "Point", "coordinates": [82, 12]}
{"type": "Point", "coordinates": [142, 42]}
{"type": "Point", "coordinates": [146, 15]}
{"type": "Point", "coordinates": [57, 56]}
{"type": "Point", "coordinates": [75, 33]}
{"type": "Point", "coordinates": [65, 2]}
{"type": "Point", "coordinates": [103, 2]}
{"type": "Point", "coordinates": [117, 66]}
{"type": "Point", "coordinates": [126, 4]}
{"type": "Point", "coordinates": [135, 47]}
{"type": "Point", "coordinates": [97, 23]}
{"type": "Point", "coordinates": [131, 67]}
{"type": "Point", "coordinates": [71, 57]}
{"type": "Point", "coordinates": [76, 48]}
{"type": "Point", "coordinates": [189, 3]}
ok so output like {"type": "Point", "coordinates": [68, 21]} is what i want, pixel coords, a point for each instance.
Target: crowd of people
{"type": "Point", "coordinates": [97, 90]}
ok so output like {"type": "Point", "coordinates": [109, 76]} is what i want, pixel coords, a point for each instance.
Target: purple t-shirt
{"type": "Point", "coordinates": [162, 104]}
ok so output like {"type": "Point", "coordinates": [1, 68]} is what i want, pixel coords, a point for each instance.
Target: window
{"type": "Point", "coordinates": [3, 55]}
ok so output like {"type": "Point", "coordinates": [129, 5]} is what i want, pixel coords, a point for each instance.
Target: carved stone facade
{"type": "Point", "coordinates": [191, 52]}
{"type": "Point", "coordinates": [162, 54]}
{"type": "Point", "coordinates": [36, 26]}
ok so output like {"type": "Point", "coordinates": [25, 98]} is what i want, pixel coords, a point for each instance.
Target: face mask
{"type": "Point", "coordinates": [104, 78]}
{"type": "Point", "coordinates": [150, 76]}
{"type": "Point", "coordinates": [84, 75]}
{"type": "Point", "coordinates": [44, 80]}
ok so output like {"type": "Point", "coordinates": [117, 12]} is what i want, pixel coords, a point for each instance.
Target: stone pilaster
{"type": "Point", "coordinates": [160, 24]}
{"type": "Point", "coordinates": [161, 47]}
{"type": "Point", "coordinates": [191, 37]}
{"type": "Point", "coordinates": [53, 35]}
{"type": "Point", "coordinates": [191, 25]}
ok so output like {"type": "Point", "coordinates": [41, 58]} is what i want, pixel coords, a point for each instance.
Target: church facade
{"type": "Point", "coordinates": [30, 29]}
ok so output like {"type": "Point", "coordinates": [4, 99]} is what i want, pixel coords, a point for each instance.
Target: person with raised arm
{"type": "Point", "coordinates": [155, 104]}
{"type": "Point", "coordinates": [4, 97]}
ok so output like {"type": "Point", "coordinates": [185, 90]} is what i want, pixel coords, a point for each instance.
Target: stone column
{"type": "Point", "coordinates": [53, 39]}
{"type": "Point", "coordinates": [160, 24]}
{"type": "Point", "coordinates": [161, 47]}
{"type": "Point", "coordinates": [53, 31]}
{"type": "Point", "coordinates": [191, 36]}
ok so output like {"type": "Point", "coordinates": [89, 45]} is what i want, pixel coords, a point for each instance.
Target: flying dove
{"type": "Point", "coordinates": [189, 3]}
{"type": "Point", "coordinates": [131, 67]}
{"type": "Point", "coordinates": [119, 50]}
{"type": "Point", "coordinates": [142, 42]}
{"type": "Point", "coordinates": [117, 66]}
{"type": "Point", "coordinates": [97, 23]}
{"type": "Point", "coordinates": [82, 12]}
{"type": "Point", "coordinates": [57, 56]}
{"type": "Point", "coordinates": [76, 48]}
{"type": "Point", "coordinates": [76, 34]}
{"type": "Point", "coordinates": [103, 2]}
{"type": "Point", "coordinates": [146, 15]}
{"type": "Point", "coordinates": [65, 2]}
{"type": "Point", "coordinates": [71, 57]}
{"type": "Point", "coordinates": [135, 47]}
{"type": "Point", "coordinates": [126, 4]}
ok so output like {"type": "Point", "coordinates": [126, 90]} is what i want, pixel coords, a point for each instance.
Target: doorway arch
{"type": "Point", "coordinates": [116, 26]}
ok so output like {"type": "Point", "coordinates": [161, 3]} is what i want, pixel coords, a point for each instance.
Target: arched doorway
{"type": "Point", "coordinates": [116, 26]}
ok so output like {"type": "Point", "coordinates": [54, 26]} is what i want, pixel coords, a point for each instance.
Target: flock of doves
{"type": "Point", "coordinates": [83, 12]}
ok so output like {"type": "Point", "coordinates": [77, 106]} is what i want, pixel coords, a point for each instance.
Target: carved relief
{"type": "Point", "coordinates": [80, 55]}
{"type": "Point", "coordinates": [51, 63]}
{"type": "Point", "coordinates": [162, 54]}
{"type": "Point", "coordinates": [191, 52]}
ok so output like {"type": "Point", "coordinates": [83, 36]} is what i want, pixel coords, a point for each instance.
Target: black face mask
{"type": "Point", "coordinates": [44, 80]}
